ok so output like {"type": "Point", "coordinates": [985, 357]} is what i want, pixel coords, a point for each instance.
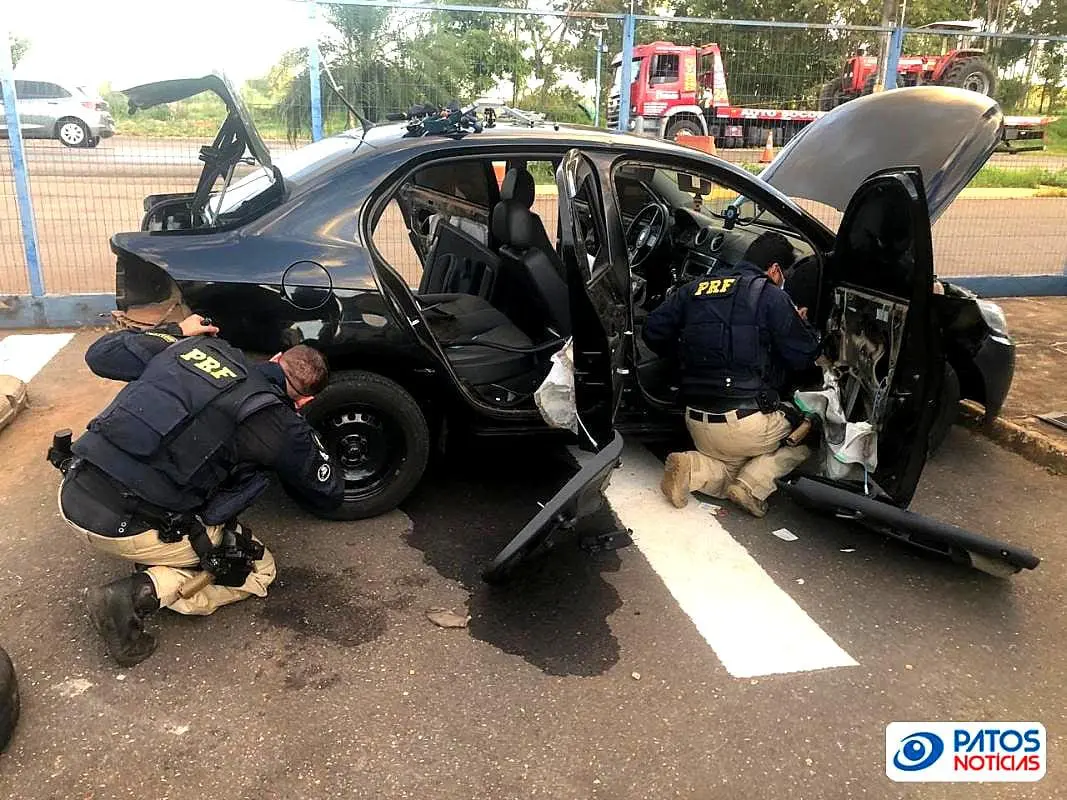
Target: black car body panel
{"type": "Point", "coordinates": [289, 256]}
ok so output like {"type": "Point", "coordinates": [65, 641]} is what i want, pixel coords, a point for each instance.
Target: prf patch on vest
{"type": "Point", "coordinates": [716, 286]}
{"type": "Point", "coordinates": [209, 365]}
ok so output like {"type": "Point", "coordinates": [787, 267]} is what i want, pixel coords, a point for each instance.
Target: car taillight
{"type": "Point", "coordinates": [89, 104]}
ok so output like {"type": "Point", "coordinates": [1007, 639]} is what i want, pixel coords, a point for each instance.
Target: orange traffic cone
{"type": "Point", "coordinates": [767, 156]}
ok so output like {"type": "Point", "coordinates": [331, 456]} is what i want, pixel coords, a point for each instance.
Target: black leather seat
{"type": "Point", "coordinates": [472, 333]}
{"type": "Point", "coordinates": [529, 258]}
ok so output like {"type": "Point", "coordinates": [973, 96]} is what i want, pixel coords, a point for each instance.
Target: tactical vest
{"type": "Point", "coordinates": [168, 437]}
{"type": "Point", "coordinates": [724, 355]}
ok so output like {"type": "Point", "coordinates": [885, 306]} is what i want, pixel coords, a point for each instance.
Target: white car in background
{"type": "Point", "coordinates": [70, 113]}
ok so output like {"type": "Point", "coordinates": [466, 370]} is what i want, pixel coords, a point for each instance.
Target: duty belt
{"type": "Point", "coordinates": [709, 416]}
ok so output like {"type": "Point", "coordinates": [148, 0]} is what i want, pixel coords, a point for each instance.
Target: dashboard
{"type": "Point", "coordinates": [702, 243]}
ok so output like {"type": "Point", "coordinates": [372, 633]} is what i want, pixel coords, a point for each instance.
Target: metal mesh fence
{"type": "Point", "coordinates": [13, 278]}
{"type": "Point", "coordinates": [384, 60]}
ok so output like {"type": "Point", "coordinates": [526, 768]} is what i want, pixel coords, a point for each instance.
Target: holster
{"type": "Point", "coordinates": [233, 559]}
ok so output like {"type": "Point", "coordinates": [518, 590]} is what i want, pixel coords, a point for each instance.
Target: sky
{"type": "Point", "coordinates": [128, 42]}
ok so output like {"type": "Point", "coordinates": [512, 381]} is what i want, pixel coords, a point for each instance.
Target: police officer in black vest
{"type": "Point", "coordinates": [160, 475]}
{"type": "Point", "coordinates": [737, 335]}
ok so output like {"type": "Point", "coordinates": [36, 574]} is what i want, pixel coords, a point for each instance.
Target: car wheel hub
{"type": "Point", "coordinates": [71, 133]}
{"type": "Point", "coordinates": [366, 447]}
{"type": "Point", "coordinates": [353, 450]}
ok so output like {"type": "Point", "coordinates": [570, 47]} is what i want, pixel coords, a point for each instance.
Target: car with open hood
{"type": "Point", "coordinates": [441, 278]}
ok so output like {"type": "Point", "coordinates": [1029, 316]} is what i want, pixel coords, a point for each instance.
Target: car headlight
{"type": "Point", "coordinates": [994, 317]}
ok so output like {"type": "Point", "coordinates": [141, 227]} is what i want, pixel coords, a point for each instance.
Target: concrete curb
{"type": "Point", "coordinates": [13, 399]}
{"type": "Point", "coordinates": [1031, 445]}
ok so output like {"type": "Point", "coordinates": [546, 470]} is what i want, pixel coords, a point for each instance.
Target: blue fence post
{"type": "Point", "coordinates": [896, 46]}
{"type": "Point", "coordinates": [313, 72]}
{"type": "Point", "coordinates": [629, 24]}
{"type": "Point", "coordinates": [18, 165]}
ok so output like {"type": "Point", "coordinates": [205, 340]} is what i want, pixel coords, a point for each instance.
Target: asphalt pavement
{"type": "Point", "coordinates": [584, 678]}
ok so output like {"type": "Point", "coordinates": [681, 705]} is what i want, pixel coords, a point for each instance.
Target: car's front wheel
{"type": "Point", "coordinates": [379, 436]}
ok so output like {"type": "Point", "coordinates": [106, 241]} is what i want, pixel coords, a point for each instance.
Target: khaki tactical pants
{"type": "Point", "coordinates": [746, 450]}
{"type": "Point", "coordinates": [171, 564]}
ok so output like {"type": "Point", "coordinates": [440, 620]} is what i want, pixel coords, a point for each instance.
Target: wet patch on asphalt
{"type": "Point", "coordinates": [314, 604]}
{"type": "Point", "coordinates": [554, 611]}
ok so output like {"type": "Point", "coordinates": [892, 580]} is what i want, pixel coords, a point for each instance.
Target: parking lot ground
{"type": "Point", "coordinates": [584, 678]}
{"type": "Point", "coordinates": [1039, 327]}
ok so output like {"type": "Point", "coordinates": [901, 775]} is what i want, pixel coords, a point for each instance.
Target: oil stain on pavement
{"type": "Point", "coordinates": [314, 604]}
{"type": "Point", "coordinates": [554, 611]}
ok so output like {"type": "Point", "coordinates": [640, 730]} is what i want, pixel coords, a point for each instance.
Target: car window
{"type": "Point", "coordinates": [664, 69]}
{"type": "Point", "coordinates": [393, 242]}
{"type": "Point", "coordinates": [53, 91]}
{"type": "Point", "coordinates": [39, 90]}
{"type": "Point", "coordinates": [463, 179]}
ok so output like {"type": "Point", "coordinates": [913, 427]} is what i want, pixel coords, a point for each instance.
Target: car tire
{"type": "Point", "coordinates": [73, 132]}
{"type": "Point", "coordinates": [947, 411]}
{"type": "Point", "coordinates": [686, 126]}
{"type": "Point", "coordinates": [379, 438]}
{"type": "Point", "coordinates": [9, 700]}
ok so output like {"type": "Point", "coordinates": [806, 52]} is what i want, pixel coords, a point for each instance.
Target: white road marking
{"type": "Point", "coordinates": [753, 626]}
{"type": "Point", "coordinates": [23, 355]}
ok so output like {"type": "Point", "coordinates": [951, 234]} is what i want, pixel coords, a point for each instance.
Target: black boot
{"type": "Point", "coordinates": [118, 611]}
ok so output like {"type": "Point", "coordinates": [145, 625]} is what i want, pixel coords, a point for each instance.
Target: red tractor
{"type": "Point", "coordinates": [964, 67]}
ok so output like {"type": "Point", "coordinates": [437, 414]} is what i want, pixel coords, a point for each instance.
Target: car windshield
{"type": "Point", "coordinates": [616, 81]}
{"type": "Point", "coordinates": [679, 190]}
{"type": "Point", "coordinates": [294, 167]}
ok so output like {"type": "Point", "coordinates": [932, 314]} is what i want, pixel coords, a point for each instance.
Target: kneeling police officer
{"type": "Point", "coordinates": [160, 475]}
{"type": "Point", "coordinates": [737, 335]}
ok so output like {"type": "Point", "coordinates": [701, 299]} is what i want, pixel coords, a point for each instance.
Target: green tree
{"type": "Point", "coordinates": [19, 47]}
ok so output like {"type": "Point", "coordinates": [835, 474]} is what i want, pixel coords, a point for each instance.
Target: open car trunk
{"type": "Point", "coordinates": [881, 389]}
{"type": "Point", "coordinates": [237, 141]}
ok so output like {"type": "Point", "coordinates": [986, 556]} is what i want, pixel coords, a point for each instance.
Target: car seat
{"type": "Point", "coordinates": [531, 273]}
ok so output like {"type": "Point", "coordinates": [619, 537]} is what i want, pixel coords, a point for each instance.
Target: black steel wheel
{"type": "Point", "coordinates": [379, 437]}
{"type": "Point", "coordinates": [9, 700]}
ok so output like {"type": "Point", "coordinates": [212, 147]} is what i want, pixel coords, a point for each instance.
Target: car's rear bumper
{"type": "Point", "coordinates": [105, 127]}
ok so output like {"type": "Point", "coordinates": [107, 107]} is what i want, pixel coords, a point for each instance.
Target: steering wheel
{"type": "Point", "coordinates": [645, 232]}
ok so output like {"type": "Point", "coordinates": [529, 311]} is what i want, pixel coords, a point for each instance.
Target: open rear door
{"type": "Point", "coordinates": [884, 338]}
{"type": "Point", "coordinates": [594, 256]}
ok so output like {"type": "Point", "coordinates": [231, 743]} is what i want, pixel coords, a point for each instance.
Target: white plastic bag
{"type": "Point", "coordinates": [555, 395]}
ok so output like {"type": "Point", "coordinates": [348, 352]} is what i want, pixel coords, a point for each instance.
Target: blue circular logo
{"type": "Point", "coordinates": [918, 751]}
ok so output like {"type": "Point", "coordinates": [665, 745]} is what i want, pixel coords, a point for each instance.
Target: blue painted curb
{"type": "Point", "coordinates": [1014, 285]}
{"type": "Point", "coordinates": [56, 311]}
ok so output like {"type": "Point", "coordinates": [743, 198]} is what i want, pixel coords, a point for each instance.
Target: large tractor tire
{"type": "Point", "coordinates": [831, 95]}
{"type": "Point", "coordinates": [9, 700]}
{"type": "Point", "coordinates": [975, 74]}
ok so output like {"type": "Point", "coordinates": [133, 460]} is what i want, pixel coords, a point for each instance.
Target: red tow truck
{"type": "Point", "coordinates": [681, 89]}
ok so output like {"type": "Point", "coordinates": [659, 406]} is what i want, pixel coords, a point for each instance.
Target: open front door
{"type": "Point", "coordinates": [884, 339]}
{"type": "Point", "coordinates": [594, 256]}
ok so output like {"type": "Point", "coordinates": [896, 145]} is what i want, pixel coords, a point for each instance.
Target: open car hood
{"type": "Point", "coordinates": [948, 133]}
{"type": "Point", "coordinates": [148, 95]}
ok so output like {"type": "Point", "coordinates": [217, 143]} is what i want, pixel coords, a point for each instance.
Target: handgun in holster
{"type": "Point", "coordinates": [800, 422]}
{"type": "Point", "coordinates": [59, 454]}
